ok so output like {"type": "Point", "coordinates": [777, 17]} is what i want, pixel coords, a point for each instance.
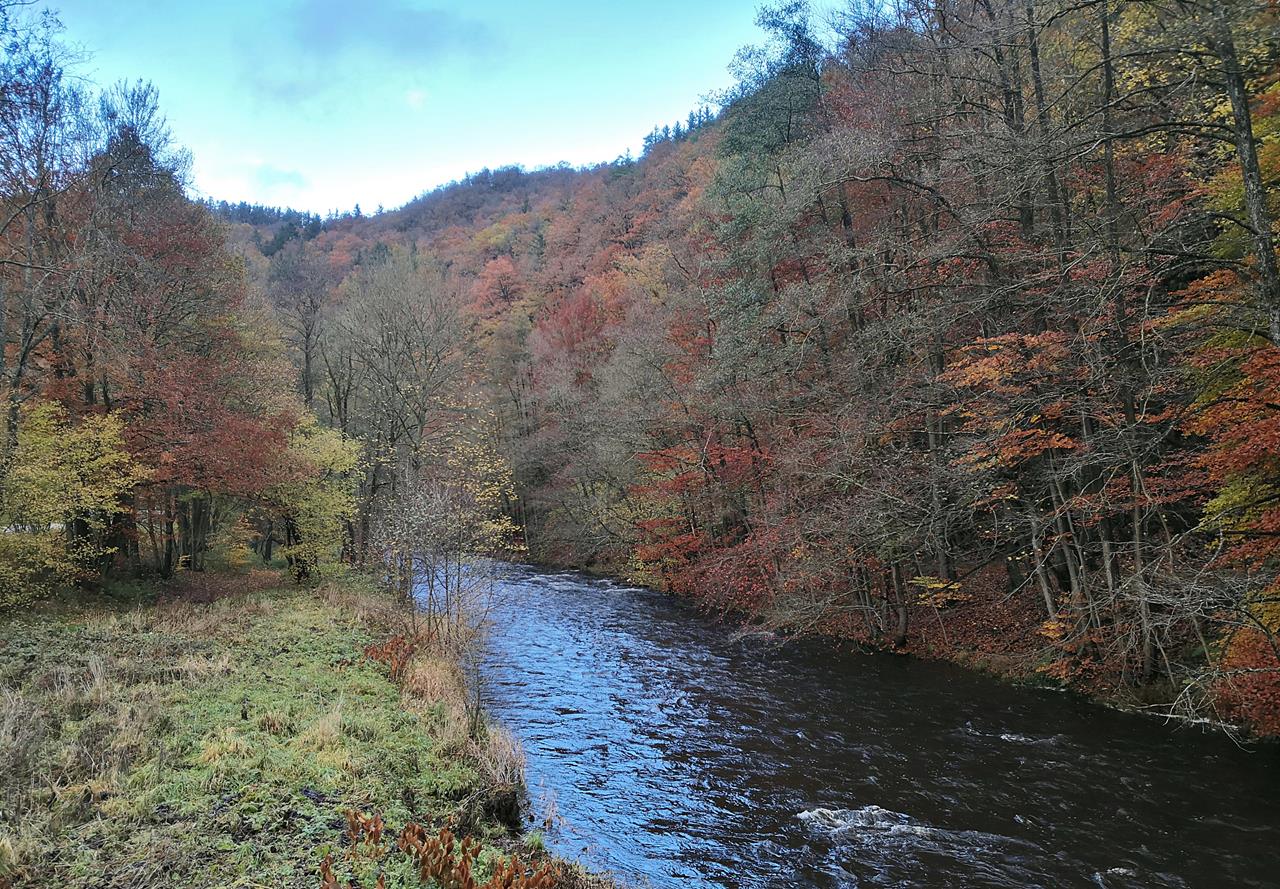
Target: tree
{"type": "Point", "coordinates": [299, 284]}
{"type": "Point", "coordinates": [437, 537]}
{"type": "Point", "coordinates": [64, 483]}
{"type": "Point", "coordinates": [315, 502]}
{"type": "Point", "coordinates": [395, 356]}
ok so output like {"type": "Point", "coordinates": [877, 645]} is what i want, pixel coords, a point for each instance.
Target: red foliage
{"type": "Point", "coordinates": [1249, 690]}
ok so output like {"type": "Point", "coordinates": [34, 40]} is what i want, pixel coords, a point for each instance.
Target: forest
{"type": "Point", "coordinates": [953, 328]}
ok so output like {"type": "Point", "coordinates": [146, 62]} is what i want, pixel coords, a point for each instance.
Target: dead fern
{"type": "Point", "coordinates": [327, 879]}
{"type": "Point", "coordinates": [395, 654]}
{"type": "Point", "coordinates": [437, 860]}
{"type": "Point", "coordinates": [370, 827]}
{"type": "Point", "coordinates": [440, 860]}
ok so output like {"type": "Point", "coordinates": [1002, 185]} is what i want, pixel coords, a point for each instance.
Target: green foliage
{"type": "Point", "coordinates": [64, 483]}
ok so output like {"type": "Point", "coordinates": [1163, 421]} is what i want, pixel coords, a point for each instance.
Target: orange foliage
{"type": "Point", "coordinates": [395, 654]}
{"type": "Point", "coordinates": [441, 864]}
{"type": "Point", "coordinates": [1249, 691]}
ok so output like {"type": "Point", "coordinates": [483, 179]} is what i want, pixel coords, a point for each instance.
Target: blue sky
{"type": "Point", "coordinates": [322, 104]}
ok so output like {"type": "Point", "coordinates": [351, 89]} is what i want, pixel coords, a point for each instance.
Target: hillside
{"type": "Point", "coordinates": [951, 330]}
{"type": "Point", "coordinates": [953, 336]}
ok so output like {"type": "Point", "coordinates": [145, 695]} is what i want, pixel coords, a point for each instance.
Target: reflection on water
{"type": "Point", "coordinates": [672, 752]}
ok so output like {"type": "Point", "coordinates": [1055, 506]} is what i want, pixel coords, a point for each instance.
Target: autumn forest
{"type": "Point", "coordinates": [953, 328]}
{"type": "Point", "coordinates": [948, 334]}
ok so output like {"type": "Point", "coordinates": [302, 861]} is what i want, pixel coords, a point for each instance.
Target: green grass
{"type": "Point", "coordinates": [214, 745]}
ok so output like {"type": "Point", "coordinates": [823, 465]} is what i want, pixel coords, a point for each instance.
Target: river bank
{"type": "Point", "coordinates": [979, 625]}
{"type": "Point", "coordinates": [235, 730]}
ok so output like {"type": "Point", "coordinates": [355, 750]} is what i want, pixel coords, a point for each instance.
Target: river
{"type": "Point", "coordinates": [667, 749]}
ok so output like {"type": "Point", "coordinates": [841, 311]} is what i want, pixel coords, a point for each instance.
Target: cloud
{"type": "Point", "coordinates": [284, 89]}
{"type": "Point", "coordinates": [394, 28]}
{"type": "Point", "coordinates": [270, 178]}
{"type": "Point", "coordinates": [415, 99]}
{"type": "Point", "coordinates": [328, 45]}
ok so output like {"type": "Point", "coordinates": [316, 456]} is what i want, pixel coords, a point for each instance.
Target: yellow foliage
{"type": "Point", "coordinates": [938, 591]}
{"type": "Point", "coordinates": [487, 484]}
{"type": "Point", "coordinates": [1055, 629]}
{"type": "Point", "coordinates": [63, 484]}
{"type": "Point", "coordinates": [321, 495]}
{"type": "Point", "coordinates": [233, 540]}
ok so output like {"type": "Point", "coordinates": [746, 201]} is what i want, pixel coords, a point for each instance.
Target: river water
{"type": "Point", "coordinates": [667, 749]}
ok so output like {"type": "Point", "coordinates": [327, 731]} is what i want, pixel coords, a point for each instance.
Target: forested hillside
{"type": "Point", "coordinates": [956, 329]}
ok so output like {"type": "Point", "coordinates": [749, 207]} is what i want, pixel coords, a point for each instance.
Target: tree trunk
{"type": "Point", "coordinates": [1255, 196]}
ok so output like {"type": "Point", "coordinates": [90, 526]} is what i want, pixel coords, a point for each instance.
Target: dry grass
{"type": "Point", "coordinates": [22, 728]}
{"type": "Point", "coordinates": [68, 736]}
{"type": "Point", "coordinates": [433, 680]}
{"type": "Point", "coordinates": [224, 743]}
{"type": "Point", "coordinates": [500, 757]}
{"type": "Point", "coordinates": [195, 666]}
{"type": "Point", "coordinates": [324, 733]}
{"type": "Point", "coordinates": [276, 722]}
{"type": "Point", "coordinates": [364, 603]}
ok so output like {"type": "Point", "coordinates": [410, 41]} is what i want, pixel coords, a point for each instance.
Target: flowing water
{"type": "Point", "coordinates": [666, 748]}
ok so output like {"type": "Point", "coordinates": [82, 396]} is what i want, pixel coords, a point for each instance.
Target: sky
{"type": "Point", "coordinates": [324, 104]}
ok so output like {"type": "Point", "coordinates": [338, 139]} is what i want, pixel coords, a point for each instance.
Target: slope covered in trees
{"type": "Point", "coordinates": [956, 330]}
{"type": "Point", "coordinates": [150, 413]}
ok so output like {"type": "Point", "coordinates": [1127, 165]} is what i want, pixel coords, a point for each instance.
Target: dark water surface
{"type": "Point", "coordinates": [675, 754]}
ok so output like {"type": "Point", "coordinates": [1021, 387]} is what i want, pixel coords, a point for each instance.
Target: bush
{"type": "Point", "coordinates": [25, 560]}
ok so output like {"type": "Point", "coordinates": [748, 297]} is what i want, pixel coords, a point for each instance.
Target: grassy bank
{"type": "Point", "coordinates": [227, 734]}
